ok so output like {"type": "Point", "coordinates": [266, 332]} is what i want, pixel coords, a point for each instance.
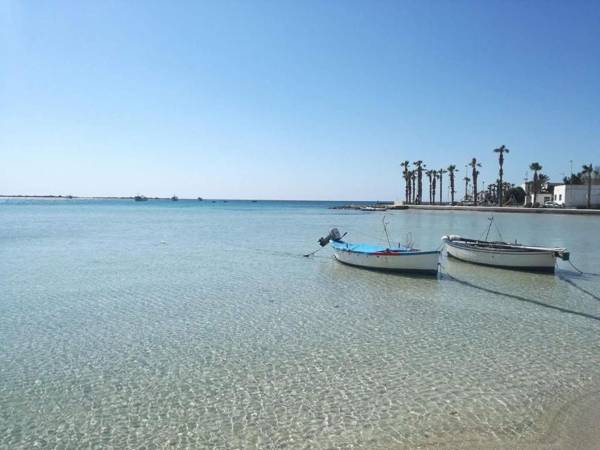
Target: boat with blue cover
{"type": "Point", "coordinates": [379, 257]}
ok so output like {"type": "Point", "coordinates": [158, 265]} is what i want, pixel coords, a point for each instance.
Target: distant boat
{"type": "Point", "coordinates": [174, 198]}
{"type": "Point", "coordinates": [503, 254]}
{"type": "Point", "coordinates": [140, 198]}
{"type": "Point", "coordinates": [200, 199]}
{"type": "Point", "coordinates": [379, 257]}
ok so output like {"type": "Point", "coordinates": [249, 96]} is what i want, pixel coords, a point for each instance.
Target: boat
{"type": "Point", "coordinates": [379, 257]}
{"type": "Point", "coordinates": [504, 255]}
{"type": "Point", "coordinates": [200, 199]}
{"type": "Point", "coordinates": [174, 198]}
{"type": "Point", "coordinates": [140, 198]}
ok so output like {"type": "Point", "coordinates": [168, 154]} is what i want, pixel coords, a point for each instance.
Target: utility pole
{"type": "Point", "coordinates": [571, 163]}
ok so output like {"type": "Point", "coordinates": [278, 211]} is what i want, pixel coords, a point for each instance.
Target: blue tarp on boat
{"type": "Point", "coordinates": [367, 248]}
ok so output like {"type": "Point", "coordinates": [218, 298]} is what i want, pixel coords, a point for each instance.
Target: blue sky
{"type": "Point", "coordinates": [290, 99]}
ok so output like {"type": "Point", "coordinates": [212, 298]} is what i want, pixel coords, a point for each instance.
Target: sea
{"type": "Point", "coordinates": [200, 324]}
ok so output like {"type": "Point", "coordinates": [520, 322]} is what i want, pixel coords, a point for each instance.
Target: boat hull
{"type": "Point", "coordinates": [415, 262]}
{"type": "Point", "coordinates": [535, 261]}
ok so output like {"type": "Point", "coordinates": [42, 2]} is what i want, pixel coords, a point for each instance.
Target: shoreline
{"type": "Point", "coordinates": [503, 209]}
{"type": "Point", "coordinates": [507, 209]}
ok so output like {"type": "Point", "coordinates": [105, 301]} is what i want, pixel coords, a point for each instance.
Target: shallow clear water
{"type": "Point", "coordinates": [200, 324]}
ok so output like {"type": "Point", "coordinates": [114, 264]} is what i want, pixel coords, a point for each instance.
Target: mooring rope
{"type": "Point", "coordinates": [576, 286]}
{"type": "Point", "coordinates": [581, 272]}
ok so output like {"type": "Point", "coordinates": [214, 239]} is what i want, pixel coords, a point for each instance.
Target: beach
{"type": "Point", "coordinates": [201, 325]}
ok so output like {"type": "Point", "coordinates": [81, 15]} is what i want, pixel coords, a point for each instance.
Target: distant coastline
{"type": "Point", "coordinates": [132, 197]}
{"type": "Point", "coordinates": [69, 197]}
{"type": "Point", "coordinates": [61, 196]}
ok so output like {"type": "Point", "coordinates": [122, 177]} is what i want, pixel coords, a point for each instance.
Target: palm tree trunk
{"type": "Point", "coordinates": [475, 187]}
{"type": "Point", "coordinates": [535, 187]}
{"type": "Point", "coordinates": [420, 185]}
{"type": "Point", "coordinates": [430, 190]}
{"type": "Point", "coordinates": [499, 193]}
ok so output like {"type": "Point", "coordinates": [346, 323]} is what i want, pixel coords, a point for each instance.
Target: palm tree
{"type": "Point", "coordinates": [536, 167]}
{"type": "Point", "coordinates": [492, 194]}
{"type": "Point", "coordinates": [413, 176]}
{"type": "Point", "coordinates": [441, 173]}
{"type": "Point", "coordinates": [587, 170]}
{"type": "Point", "coordinates": [467, 179]}
{"type": "Point", "coordinates": [501, 151]}
{"type": "Point", "coordinates": [451, 170]}
{"type": "Point", "coordinates": [474, 164]}
{"type": "Point", "coordinates": [434, 178]}
{"type": "Point", "coordinates": [420, 166]}
{"type": "Point", "coordinates": [429, 174]}
{"type": "Point", "coordinates": [505, 188]}
{"type": "Point", "coordinates": [406, 181]}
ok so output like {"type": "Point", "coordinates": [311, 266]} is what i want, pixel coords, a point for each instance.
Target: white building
{"type": "Point", "coordinates": [576, 195]}
{"type": "Point", "coordinates": [538, 199]}
{"type": "Point", "coordinates": [545, 194]}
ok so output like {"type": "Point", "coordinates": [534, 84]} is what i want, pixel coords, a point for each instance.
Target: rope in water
{"type": "Point", "coordinates": [581, 272]}
{"type": "Point", "coordinates": [576, 286]}
{"type": "Point", "coordinates": [312, 253]}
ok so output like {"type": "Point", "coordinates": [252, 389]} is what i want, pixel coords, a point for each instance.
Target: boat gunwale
{"type": "Point", "coordinates": [506, 247]}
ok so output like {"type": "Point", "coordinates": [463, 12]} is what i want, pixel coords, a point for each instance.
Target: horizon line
{"type": "Point", "coordinates": [111, 197]}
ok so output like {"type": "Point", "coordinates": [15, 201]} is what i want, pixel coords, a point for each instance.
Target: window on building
{"type": "Point", "coordinates": [560, 196]}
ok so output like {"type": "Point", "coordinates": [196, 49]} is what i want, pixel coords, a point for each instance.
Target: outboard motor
{"type": "Point", "coordinates": [334, 235]}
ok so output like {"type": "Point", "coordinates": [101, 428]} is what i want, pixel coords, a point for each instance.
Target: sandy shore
{"type": "Point", "coordinates": [572, 425]}
{"type": "Point", "coordinates": [576, 425]}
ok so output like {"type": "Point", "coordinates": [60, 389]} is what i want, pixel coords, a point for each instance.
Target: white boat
{"type": "Point", "coordinates": [379, 257]}
{"type": "Point", "coordinates": [503, 254]}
